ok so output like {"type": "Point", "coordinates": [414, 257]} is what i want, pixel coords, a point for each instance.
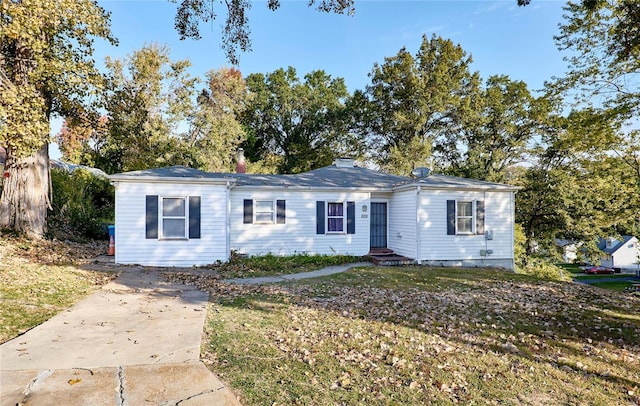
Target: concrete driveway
{"type": "Point", "coordinates": [136, 341]}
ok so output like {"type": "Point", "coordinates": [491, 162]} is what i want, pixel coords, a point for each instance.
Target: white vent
{"type": "Point", "coordinates": [344, 162]}
{"type": "Point", "coordinates": [420, 172]}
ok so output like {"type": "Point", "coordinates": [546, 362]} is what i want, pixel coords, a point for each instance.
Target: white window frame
{"type": "Point", "coordinates": [343, 217]}
{"type": "Point", "coordinates": [162, 217]}
{"type": "Point", "coordinates": [472, 217]}
{"type": "Point", "coordinates": [256, 211]}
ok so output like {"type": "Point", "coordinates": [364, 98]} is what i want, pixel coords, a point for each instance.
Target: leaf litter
{"type": "Point", "coordinates": [435, 335]}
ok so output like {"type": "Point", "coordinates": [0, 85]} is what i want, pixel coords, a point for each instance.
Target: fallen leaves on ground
{"type": "Point", "coordinates": [40, 278]}
{"type": "Point", "coordinates": [459, 336]}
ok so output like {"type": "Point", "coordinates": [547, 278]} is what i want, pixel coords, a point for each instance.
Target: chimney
{"type": "Point", "coordinates": [241, 165]}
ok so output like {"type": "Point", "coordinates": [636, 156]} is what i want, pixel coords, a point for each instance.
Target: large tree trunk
{"type": "Point", "coordinates": [25, 195]}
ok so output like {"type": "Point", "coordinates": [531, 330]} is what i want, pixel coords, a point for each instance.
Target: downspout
{"type": "Point", "coordinates": [228, 221]}
{"type": "Point", "coordinates": [513, 235]}
{"type": "Point", "coordinates": [418, 253]}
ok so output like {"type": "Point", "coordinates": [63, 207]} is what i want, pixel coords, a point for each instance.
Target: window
{"type": "Point", "coordinates": [464, 217]}
{"type": "Point", "coordinates": [335, 217]}
{"type": "Point", "coordinates": [174, 217]}
{"type": "Point", "coordinates": [263, 211]}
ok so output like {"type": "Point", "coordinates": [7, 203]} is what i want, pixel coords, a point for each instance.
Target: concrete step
{"type": "Point", "coordinates": [380, 251]}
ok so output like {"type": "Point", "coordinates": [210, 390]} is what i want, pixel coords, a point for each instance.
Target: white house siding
{"type": "Point", "coordinates": [298, 234]}
{"type": "Point", "coordinates": [402, 223]}
{"type": "Point", "coordinates": [627, 256]}
{"type": "Point", "coordinates": [438, 248]}
{"type": "Point", "coordinates": [133, 248]}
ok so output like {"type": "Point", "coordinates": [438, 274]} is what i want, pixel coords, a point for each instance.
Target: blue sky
{"type": "Point", "coordinates": [501, 37]}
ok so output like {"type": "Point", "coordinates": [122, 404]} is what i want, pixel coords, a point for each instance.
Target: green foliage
{"type": "Point", "coordinates": [414, 102]}
{"type": "Point", "coordinates": [544, 269]}
{"type": "Point", "coordinates": [82, 204]}
{"type": "Point", "coordinates": [215, 131]}
{"type": "Point", "coordinates": [582, 185]}
{"type": "Point", "coordinates": [305, 123]}
{"type": "Point", "coordinates": [498, 132]}
{"type": "Point", "coordinates": [269, 265]}
{"type": "Point", "coordinates": [155, 117]}
{"type": "Point", "coordinates": [519, 245]}
{"type": "Point", "coordinates": [45, 66]}
{"type": "Point", "coordinates": [603, 43]}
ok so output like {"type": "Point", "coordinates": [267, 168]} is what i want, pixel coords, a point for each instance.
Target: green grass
{"type": "Point", "coordinates": [37, 282]}
{"type": "Point", "coordinates": [573, 268]}
{"type": "Point", "coordinates": [602, 276]}
{"type": "Point", "coordinates": [270, 265]}
{"type": "Point", "coordinates": [618, 286]}
{"type": "Point", "coordinates": [418, 335]}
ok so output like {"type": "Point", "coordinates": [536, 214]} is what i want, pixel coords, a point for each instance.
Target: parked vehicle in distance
{"type": "Point", "coordinates": [598, 270]}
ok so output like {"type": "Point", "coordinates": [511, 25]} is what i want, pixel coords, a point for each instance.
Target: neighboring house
{"type": "Point", "coordinates": [624, 253]}
{"type": "Point", "coordinates": [179, 216]}
{"type": "Point", "coordinates": [569, 250]}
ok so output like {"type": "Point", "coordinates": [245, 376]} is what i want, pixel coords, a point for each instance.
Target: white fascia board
{"type": "Point", "coordinates": [313, 188]}
{"type": "Point", "coordinates": [158, 179]}
{"type": "Point", "coordinates": [458, 187]}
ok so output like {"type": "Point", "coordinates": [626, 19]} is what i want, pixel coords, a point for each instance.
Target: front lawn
{"type": "Point", "coordinates": [39, 279]}
{"type": "Point", "coordinates": [417, 335]}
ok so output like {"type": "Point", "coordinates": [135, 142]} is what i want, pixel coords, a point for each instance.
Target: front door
{"type": "Point", "coordinates": [378, 223]}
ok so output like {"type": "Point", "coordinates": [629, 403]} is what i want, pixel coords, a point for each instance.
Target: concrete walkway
{"type": "Point", "coordinates": [136, 341]}
{"type": "Point", "coordinates": [330, 270]}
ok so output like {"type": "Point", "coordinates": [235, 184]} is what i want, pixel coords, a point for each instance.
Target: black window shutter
{"type": "Point", "coordinates": [194, 216]}
{"type": "Point", "coordinates": [480, 217]}
{"type": "Point", "coordinates": [248, 211]}
{"type": "Point", "coordinates": [151, 217]}
{"type": "Point", "coordinates": [320, 217]}
{"type": "Point", "coordinates": [281, 210]}
{"type": "Point", "coordinates": [451, 217]}
{"type": "Point", "coordinates": [351, 217]}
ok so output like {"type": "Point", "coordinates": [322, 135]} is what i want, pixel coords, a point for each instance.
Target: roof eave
{"type": "Point", "coordinates": [170, 179]}
{"type": "Point", "coordinates": [458, 187]}
{"type": "Point", "coordinates": [331, 188]}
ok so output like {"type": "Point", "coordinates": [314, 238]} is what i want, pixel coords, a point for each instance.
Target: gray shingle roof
{"type": "Point", "coordinates": [602, 244]}
{"type": "Point", "coordinates": [326, 177]}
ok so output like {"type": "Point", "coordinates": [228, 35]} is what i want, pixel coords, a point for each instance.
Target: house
{"type": "Point", "coordinates": [570, 250]}
{"type": "Point", "coordinates": [179, 216]}
{"type": "Point", "coordinates": [620, 253]}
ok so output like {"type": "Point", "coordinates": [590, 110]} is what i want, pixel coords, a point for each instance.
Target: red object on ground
{"type": "Point", "coordinates": [112, 247]}
{"type": "Point", "coordinates": [597, 270]}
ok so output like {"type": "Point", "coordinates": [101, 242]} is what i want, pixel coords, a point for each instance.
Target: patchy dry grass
{"type": "Point", "coordinates": [420, 335]}
{"type": "Point", "coordinates": [38, 279]}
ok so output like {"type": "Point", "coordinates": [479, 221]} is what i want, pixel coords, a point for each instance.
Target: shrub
{"type": "Point", "coordinates": [544, 269]}
{"type": "Point", "coordinates": [83, 204]}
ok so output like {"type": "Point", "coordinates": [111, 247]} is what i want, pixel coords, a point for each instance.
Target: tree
{"type": "Point", "coordinates": [236, 32]}
{"type": "Point", "coordinates": [155, 117]}
{"type": "Point", "coordinates": [578, 189]}
{"type": "Point", "coordinates": [147, 97]}
{"type": "Point", "coordinates": [418, 104]}
{"type": "Point", "coordinates": [301, 122]}
{"type": "Point", "coordinates": [215, 130]}
{"type": "Point", "coordinates": [45, 69]}
{"type": "Point", "coordinates": [498, 133]}
{"type": "Point", "coordinates": [603, 42]}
